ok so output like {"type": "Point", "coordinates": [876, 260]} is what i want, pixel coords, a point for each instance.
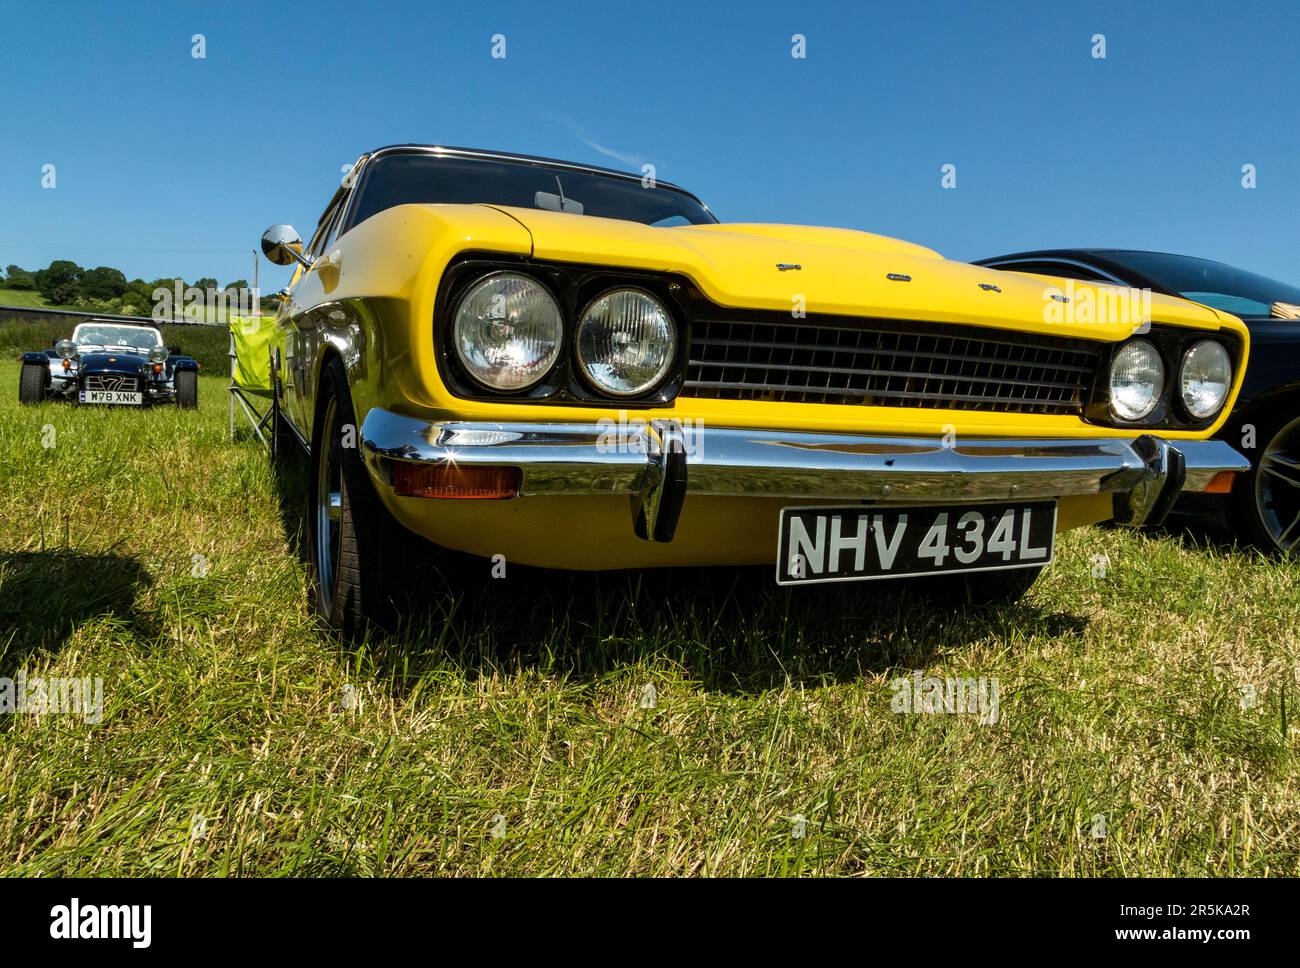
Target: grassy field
{"type": "Point", "coordinates": [28, 298]}
{"type": "Point", "coordinates": [1144, 719]}
{"type": "Point", "coordinates": [22, 297]}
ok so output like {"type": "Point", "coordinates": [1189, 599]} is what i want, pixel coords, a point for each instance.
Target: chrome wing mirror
{"type": "Point", "coordinates": [281, 244]}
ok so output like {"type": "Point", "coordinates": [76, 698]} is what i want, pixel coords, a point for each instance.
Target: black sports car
{"type": "Point", "coordinates": [1264, 504]}
{"type": "Point", "coordinates": [111, 363]}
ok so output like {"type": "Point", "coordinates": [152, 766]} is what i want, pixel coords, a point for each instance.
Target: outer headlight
{"type": "Point", "coordinates": [507, 331]}
{"type": "Point", "coordinates": [66, 348]}
{"type": "Point", "coordinates": [1137, 379]}
{"type": "Point", "coordinates": [158, 354]}
{"type": "Point", "coordinates": [1206, 378]}
{"type": "Point", "coordinates": [626, 342]}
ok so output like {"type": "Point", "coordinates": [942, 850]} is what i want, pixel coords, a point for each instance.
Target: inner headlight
{"type": "Point", "coordinates": [1137, 379]}
{"type": "Point", "coordinates": [158, 354]}
{"type": "Point", "coordinates": [66, 348]}
{"type": "Point", "coordinates": [626, 342]}
{"type": "Point", "coordinates": [1206, 377]}
{"type": "Point", "coordinates": [507, 331]}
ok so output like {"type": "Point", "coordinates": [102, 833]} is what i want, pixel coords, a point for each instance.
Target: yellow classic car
{"type": "Point", "coordinates": [553, 364]}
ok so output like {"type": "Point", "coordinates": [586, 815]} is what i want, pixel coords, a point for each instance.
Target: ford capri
{"type": "Point", "coordinates": [111, 363]}
{"type": "Point", "coordinates": [552, 364]}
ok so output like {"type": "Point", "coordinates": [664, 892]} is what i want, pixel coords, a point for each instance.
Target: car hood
{"type": "Point", "coordinates": [840, 271]}
{"type": "Point", "coordinates": [126, 363]}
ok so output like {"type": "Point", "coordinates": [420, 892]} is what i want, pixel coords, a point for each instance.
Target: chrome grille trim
{"type": "Point", "coordinates": [890, 363]}
{"type": "Point", "coordinates": [110, 381]}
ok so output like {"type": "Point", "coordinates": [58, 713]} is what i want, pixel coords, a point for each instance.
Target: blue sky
{"type": "Point", "coordinates": [171, 165]}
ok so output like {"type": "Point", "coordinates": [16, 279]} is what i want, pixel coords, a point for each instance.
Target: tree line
{"type": "Point", "coordinates": [104, 289]}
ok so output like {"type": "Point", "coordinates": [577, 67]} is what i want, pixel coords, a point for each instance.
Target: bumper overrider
{"type": "Point", "coordinates": [656, 464]}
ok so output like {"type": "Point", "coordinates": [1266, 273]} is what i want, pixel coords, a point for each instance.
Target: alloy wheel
{"type": "Point", "coordinates": [329, 507]}
{"type": "Point", "coordinates": [1277, 489]}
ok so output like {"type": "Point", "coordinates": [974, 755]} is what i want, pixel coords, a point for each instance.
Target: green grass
{"type": "Point", "coordinates": [1120, 696]}
{"type": "Point", "coordinates": [26, 298]}
{"type": "Point", "coordinates": [22, 297]}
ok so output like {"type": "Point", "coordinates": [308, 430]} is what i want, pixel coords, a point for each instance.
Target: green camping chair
{"type": "Point", "coordinates": [253, 374]}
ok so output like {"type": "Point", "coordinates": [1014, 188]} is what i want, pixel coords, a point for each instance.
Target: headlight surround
{"type": "Point", "coordinates": [626, 342]}
{"type": "Point", "coordinates": [1137, 380]}
{"type": "Point", "coordinates": [1205, 377]}
{"type": "Point", "coordinates": [66, 348]}
{"type": "Point", "coordinates": [507, 331]}
{"type": "Point", "coordinates": [158, 354]}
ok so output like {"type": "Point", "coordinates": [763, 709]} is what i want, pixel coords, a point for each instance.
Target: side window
{"type": "Point", "coordinates": [335, 222]}
{"type": "Point", "coordinates": [320, 242]}
{"type": "Point", "coordinates": [317, 240]}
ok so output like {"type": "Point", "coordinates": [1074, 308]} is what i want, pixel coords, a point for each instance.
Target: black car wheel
{"type": "Point", "coordinates": [31, 383]}
{"type": "Point", "coordinates": [187, 389]}
{"type": "Point", "coordinates": [1266, 501]}
{"type": "Point", "coordinates": [360, 555]}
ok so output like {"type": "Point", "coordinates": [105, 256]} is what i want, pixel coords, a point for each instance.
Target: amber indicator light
{"type": "Point", "coordinates": [1221, 483]}
{"type": "Point", "coordinates": [452, 481]}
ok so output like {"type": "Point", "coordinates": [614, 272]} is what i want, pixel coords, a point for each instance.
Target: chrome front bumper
{"type": "Point", "coordinates": [657, 464]}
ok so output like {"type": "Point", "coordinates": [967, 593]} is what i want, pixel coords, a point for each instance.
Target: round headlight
{"type": "Point", "coordinates": [508, 331]}
{"type": "Point", "coordinates": [66, 348]}
{"type": "Point", "coordinates": [626, 342]}
{"type": "Point", "coordinates": [1137, 379]}
{"type": "Point", "coordinates": [158, 354]}
{"type": "Point", "coordinates": [1206, 377]}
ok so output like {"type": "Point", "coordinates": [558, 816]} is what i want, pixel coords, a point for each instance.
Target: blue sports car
{"type": "Point", "coordinates": [111, 363]}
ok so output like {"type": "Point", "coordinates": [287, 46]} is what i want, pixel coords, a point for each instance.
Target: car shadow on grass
{"type": "Point", "coordinates": [733, 630]}
{"type": "Point", "coordinates": [1204, 532]}
{"type": "Point", "coordinates": [46, 595]}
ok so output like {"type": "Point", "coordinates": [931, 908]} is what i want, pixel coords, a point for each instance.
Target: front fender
{"type": "Point", "coordinates": [184, 363]}
{"type": "Point", "coordinates": [42, 358]}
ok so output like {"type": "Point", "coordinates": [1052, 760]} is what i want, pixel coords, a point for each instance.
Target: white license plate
{"type": "Point", "coordinates": [860, 543]}
{"type": "Point", "coordinates": [129, 397]}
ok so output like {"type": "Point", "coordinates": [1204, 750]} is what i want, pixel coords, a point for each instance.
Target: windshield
{"type": "Point", "coordinates": [103, 334]}
{"type": "Point", "coordinates": [402, 179]}
{"type": "Point", "coordinates": [1212, 283]}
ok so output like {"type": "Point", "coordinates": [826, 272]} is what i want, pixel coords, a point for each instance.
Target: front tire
{"type": "Point", "coordinates": [358, 550]}
{"type": "Point", "coordinates": [187, 389]}
{"type": "Point", "coordinates": [31, 384]}
{"type": "Point", "coordinates": [1265, 501]}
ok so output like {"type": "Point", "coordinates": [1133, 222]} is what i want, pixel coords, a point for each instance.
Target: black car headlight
{"type": "Point", "coordinates": [626, 342]}
{"type": "Point", "coordinates": [1137, 380]}
{"type": "Point", "coordinates": [507, 331]}
{"type": "Point", "coordinates": [158, 354]}
{"type": "Point", "coordinates": [66, 348]}
{"type": "Point", "coordinates": [1205, 377]}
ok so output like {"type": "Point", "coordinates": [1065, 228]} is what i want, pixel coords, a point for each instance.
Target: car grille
{"type": "Point", "coordinates": [108, 381]}
{"type": "Point", "coordinates": [890, 363]}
